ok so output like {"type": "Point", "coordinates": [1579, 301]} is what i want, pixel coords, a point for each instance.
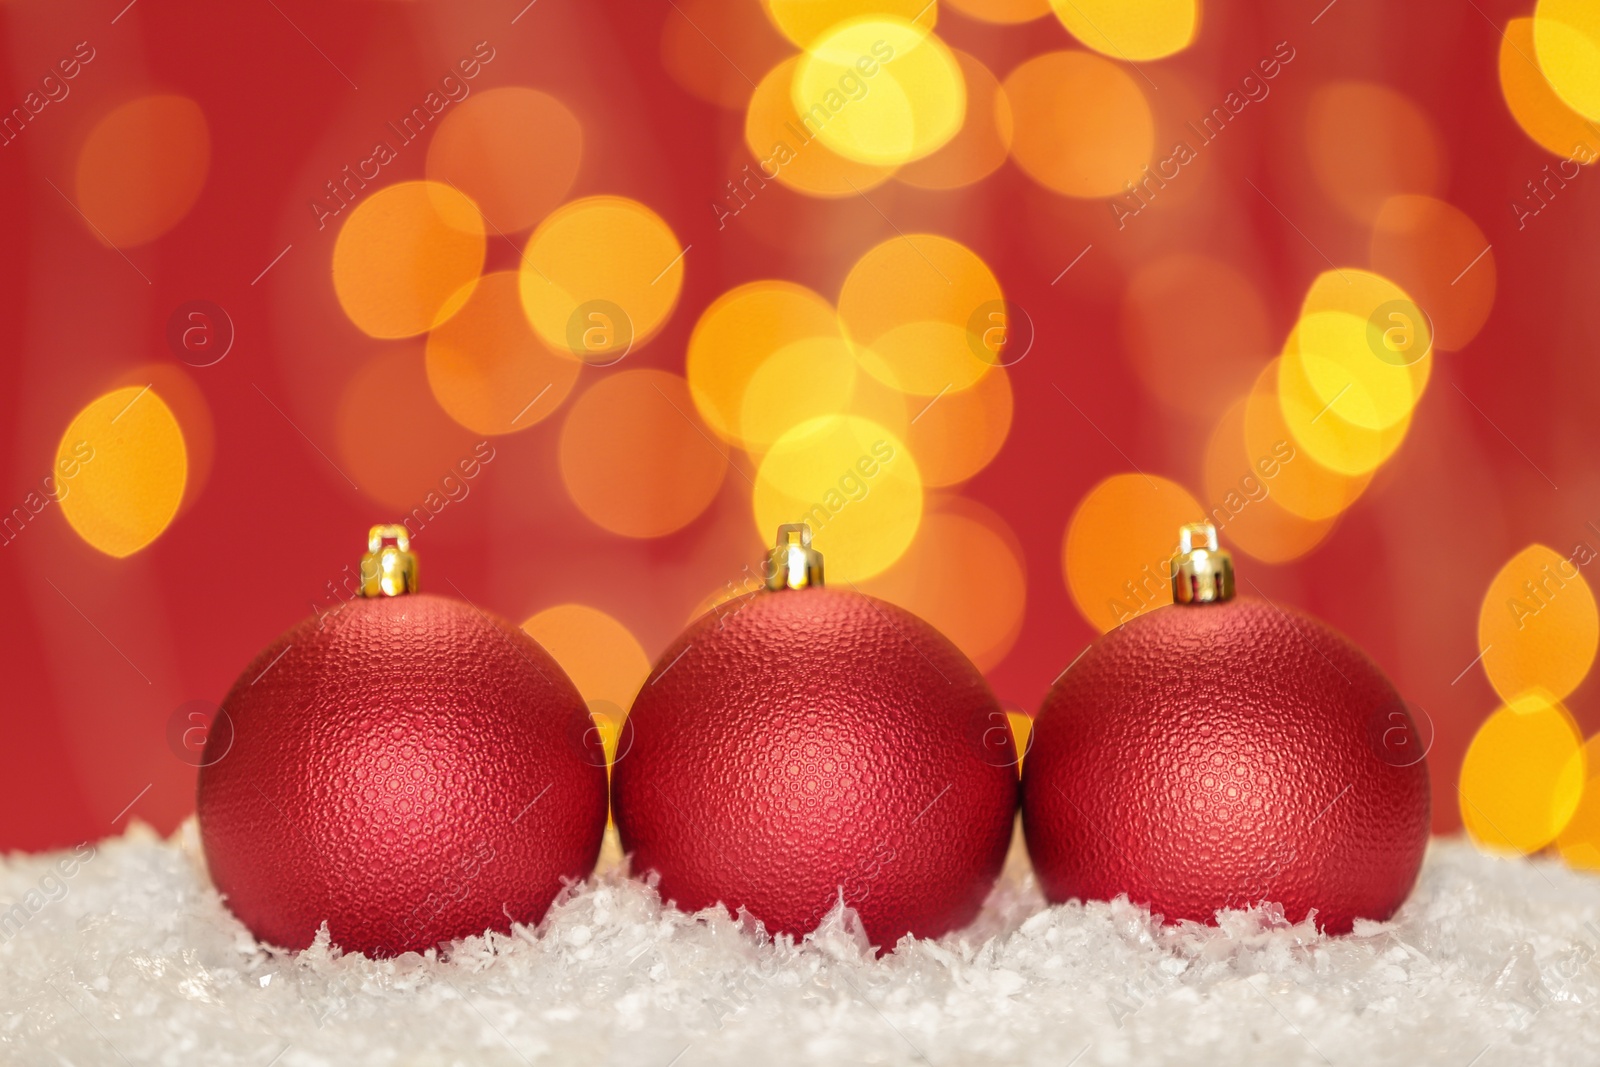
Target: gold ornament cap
{"type": "Point", "coordinates": [794, 564]}
{"type": "Point", "coordinates": [389, 568]}
{"type": "Point", "coordinates": [1202, 575]}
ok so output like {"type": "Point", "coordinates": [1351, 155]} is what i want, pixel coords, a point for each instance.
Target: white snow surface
{"type": "Point", "coordinates": [1492, 961]}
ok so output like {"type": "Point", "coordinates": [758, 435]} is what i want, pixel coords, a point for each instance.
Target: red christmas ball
{"type": "Point", "coordinates": [1220, 754]}
{"type": "Point", "coordinates": [406, 768]}
{"type": "Point", "coordinates": [799, 744]}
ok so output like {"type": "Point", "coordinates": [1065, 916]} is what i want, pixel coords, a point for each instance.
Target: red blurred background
{"type": "Point", "coordinates": [100, 653]}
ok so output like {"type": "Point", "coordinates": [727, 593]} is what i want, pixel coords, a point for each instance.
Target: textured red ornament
{"type": "Point", "coordinates": [1219, 755]}
{"type": "Point", "coordinates": [795, 743]}
{"type": "Point", "coordinates": [407, 769]}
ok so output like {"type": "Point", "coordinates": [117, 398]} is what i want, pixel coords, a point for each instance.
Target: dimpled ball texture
{"type": "Point", "coordinates": [795, 745]}
{"type": "Point", "coordinates": [1223, 755]}
{"type": "Point", "coordinates": [409, 770]}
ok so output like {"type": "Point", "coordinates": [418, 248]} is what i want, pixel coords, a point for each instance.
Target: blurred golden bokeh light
{"type": "Point", "coordinates": [1523, 775]}
{"type": "Point", "coordinates": [738, 333]}
{"type": "Point", "coordinates": [909, 305]}
{"type": "Point", "coordinates": [964, 575]}
{"type": "Point", "coordinates": [514, 151]}
{"type": "Point", "coordinates": [803, 380]}
{"type": "Point", "coordinates": [141, 168]}
{"type": "Point", "coordinates": [1566, 39]}
{"type": "Point", "coordinates": [601, 656]}
{"type": "Point", "coordinates": [406, 258]}
{"type": "Point", "coordinates": [1333, 424]}
{"type": "Point", "coordinates": [1538, 626]}
{"type": "Point", "coordinates": [1197, 330]}
{"type": "Point", "coordinates": [881, 91]}
{"type": "Point", "coordinates": [1369, 142]}
{"type": "Point", "coordinates": [1542, 114]}
{"type": "Point", "coordinates": [1304, 486]}
{"type": "Point", "coordinates": [788, 149]}
{"type": "Point", "coordinates": [600, 276]}
{"type": "Point", "coordinates": [1131, 30]}
{"type": "Point", "coordinates": [488, 369]}
{"type": "Point", "coordinates": [803, 21]}
{"type": "Point", "coordinates": [956, 435]}
{"type": "Point", "coordinates": [1117, 553]}
{"type": "Point", "coordinates": [1243, 487]}
{"type": "Point", "coordinates": [853, 482]}
{"type": "Point", "coordinates": [1441, 257]}
{"type": "Point", "coordinates": [1064, 143]}
{"type": "Point", "coordinates": [120, 470]}
{"type": "Point", "coordinates": [982, 143]}
{"type": "Point", "coordinates": [1579, 840]}
{"type": "Point", "coordinates": [634, 457]}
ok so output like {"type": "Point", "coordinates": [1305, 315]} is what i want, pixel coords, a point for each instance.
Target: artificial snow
{"type": "Point", "coordinates": [133, 958]}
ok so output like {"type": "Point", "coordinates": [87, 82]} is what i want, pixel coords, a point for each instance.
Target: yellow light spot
{"type": "Point", "coordinates": [123, 465]}
{"type": "Point", "coordinates": [1368, 143]}
{"type": "Point", "coordinates": [963, 575]}
{"type": "Point", "coordinates": [488, 370]}
{"type": "Point", "coordinates": [1067, 146]}
{"type": "Point", "coordinates": [1579, 840]}
{"type": "Point", "coordinates": [1523, 775]}
{"type": "Point", "coordinates": [803, 21]}
{"type": "Point", "coordinates": [1117, 554]}
{"type": "Point", "coordinates": [909, 305]}
{"type": "Point", "coordinates": [738, 333]}
{"type": "Point", "coordinates": [1131, 30]}
{"type": "Point", "coordinates": [601, 656]}
{"type": "Point", "coordinates": [1332, 420]}
{"type": "Point", "coordinates": [1542, 114]}
{"type": "Point", "coordinates": [707, 45]}
{"type": "Point", "coordinates": [801, 381]}
{"type": "Point", "coordinates": [635, 459]}
{"type": "Point", "coordinates": [1566, 37]}
{"type": "Point", "coordinates": [958, 434]}
{"type": "Point", "coordinates": [1004, 12]}
{"type": "Point", "coordinates": [982, 143]}
{"type": "Point", "coordinates": [1243, 488]}
{"type": "Point", "coordinates": [1441, 256]}
{"type": "Point", "coordinates": [787, 148]}
{"type": "Point", "coordinates": [406, 258]}
{"type": "Point", "coordinates": [1304, 486]}
{"type": "Point", "coordinates": [853, 482]}
{"type": "Point", "coordinates": [1538, 625]}
{"type": "Point", "coordinates": [600, 276]}
{"type": "Point", "coordinates": [141, 168]}
{"type": "Point", "coordinates": [1197, 330]}
{"type": "Point", "coordinates": [514, 151]}
{"type": "Point", "coordinates": [1021, 733]}
{"type": "Point", "coordinates": [881, 91]}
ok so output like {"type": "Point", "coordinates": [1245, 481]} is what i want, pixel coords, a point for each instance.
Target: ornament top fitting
{"type": "Point", "coordinates": [794, 564]}
{"type": "Point", "coordinates": [389, 568]}
{"type": "Point", "coordinates": [1201, 575]}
